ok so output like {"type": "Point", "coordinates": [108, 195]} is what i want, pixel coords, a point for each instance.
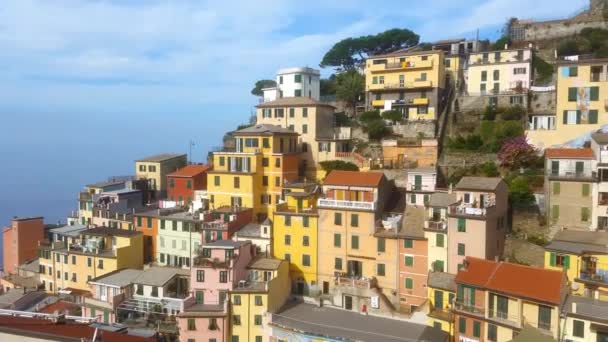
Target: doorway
{"type": "Point", "coordinates": [348, 302]}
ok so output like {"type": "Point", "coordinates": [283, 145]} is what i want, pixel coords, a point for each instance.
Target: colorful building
{"type": "Point", "coordinates": [599, 210]}
{"type": "Point", "coordinates": [411, 82]}
{"type": "Point", "coordinates": [154, 170]}
{"type": "Point", "coordinates": [295, 82]}
{"type": "Point", "coordinates": [220, 268]}
{"type": "Point", "coordinates": [436, 229]}
{"type": "Point", "coordinates": [20, 241]}
{"type": "Point", "coordinates": [85, 198]}
{"type": "Point", "coordinates": [253, 175]}
{"type": "Point", "coordinates": [420, 185]}
{"type": "Point", "coordinates": [260, 235]}
{"type": "Point", "coordinates": [569, 183]}
{"type": "Point", "coordinates": [185, 181]}
{"type": "Point", "coordinates": [355, 265]}
{"type": "Point", "coordinates": [502, 77]}
{"type": "Point", "coordinates": [68, 267]}
{"type": "Point", "coordinates": [477, 222]}
{"type": "Point", "coordinates": [585, 319]}
{"type": "Point", "coordinates": [441, 294]}
{"type": "Point", "coordinates": [115, 208]}
{"type": "Point", "coordinates": [582, 90]}
{"type": "Point", "coordinates": [264, 292]}
{"type": "Point", "coordinates": [295, 234]}
{"type": "Point", "coordinates": [319, 139]}
{"type": "Point", "coordinates": [107, 293]}
{"type": "Point", "coordinates": [494, 302]}
{"type": "Point", "coordinates": [584, 258]}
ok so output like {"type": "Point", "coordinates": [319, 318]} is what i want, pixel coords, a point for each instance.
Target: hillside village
{"type": "Point", "coordinates": [444, 191]}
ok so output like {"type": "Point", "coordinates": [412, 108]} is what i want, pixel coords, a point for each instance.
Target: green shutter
{"type": "Point", "coordinates": [567, 262]}
{"type": "Point", "coordinates": [462, 325]}
{"type": "Point", "coordinates": [439, 240]}
{"type": "Point", "coordinates": [585, 190]}
{"type": "Point", "coordinates": [572, 94]}
{"type": "Point", "coordinates": [552, 259]}
{"type": "Point", "coordinates": [565, 117]}
{"type": "Point", "coordinates": [409, 283]}
{"type": "Point", "coordinates": [460, 293]}
{"type": "Point", "coordinates": [476, 329]}
{"type": "Point", "coordinates": [594, 93]}
{"type": "Point", "coordinates": [462, 225]}
{"type": "Point", "coordinates": [555, 212]}
{"type": "Point", "coordinates": [556, 188]}
{"type": "Point", "coordinates": [472, 296]}
{"type": "Point", "coordinates": [593, 116]}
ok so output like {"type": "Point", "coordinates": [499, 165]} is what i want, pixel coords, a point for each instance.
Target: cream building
{"type": "Point", "coordinates": [156, 168]}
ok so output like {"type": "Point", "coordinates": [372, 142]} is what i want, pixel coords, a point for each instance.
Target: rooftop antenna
{"type": "Point", "coordinates": [477, 35]}
{"type": "Point", "coordinates": [191, 144]}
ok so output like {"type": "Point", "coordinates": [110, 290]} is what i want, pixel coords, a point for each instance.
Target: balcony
{"type": "Point", "coordinates": [439, 226]}
{"type": "Point", "coordinates": [558, 174]}
{"type": "Point", "coordinates": [356, 205]}
{"type": "Point", "coordinates": [378, 103]}
{"type": "Point", "coordinates": [353, 282]}
{"type": "Point", "coordinates": [505, 318]}
{"type": "Point", "coordinates": [467, 307]}
{"type": "Point", "coordinates": [405, 65]}
{"type": "Point", "coordinates": [401, 85]}
{"type": "Point", "coordinates": [440, 313]}
{"type": "Point", "coordinates": [116, 300]}
{"type": "Point", "coordinates": [472, 209]}
{"type": "Point", "coordinates": [593, 272]}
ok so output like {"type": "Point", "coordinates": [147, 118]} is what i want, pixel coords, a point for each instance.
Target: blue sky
{"type": "Point", "coordinates": [86, 87]}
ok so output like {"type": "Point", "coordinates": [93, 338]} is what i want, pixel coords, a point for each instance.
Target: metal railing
{"type": "Point", "coordinates": [323, 202]}
{"type": "Point", "coordinates": [468, 307]}
{"type": "Point", "coordinates": [571, 173]}
{"type": "Point", "coordinates": [504, 317]}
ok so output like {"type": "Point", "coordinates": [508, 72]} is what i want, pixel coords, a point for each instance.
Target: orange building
{"type": "Point", "coordinates": [183, 183]}
{"type": "Point", "coordinates": [20, 241]}
{"type": "Point", "coordinates": [146, 223]}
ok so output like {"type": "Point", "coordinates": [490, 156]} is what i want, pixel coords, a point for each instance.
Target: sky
{"type": "Point", "coordinates": [87, 87]}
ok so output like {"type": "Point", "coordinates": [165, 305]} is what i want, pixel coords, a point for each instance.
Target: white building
{"type": "Point", "coordinates": [295, 82]}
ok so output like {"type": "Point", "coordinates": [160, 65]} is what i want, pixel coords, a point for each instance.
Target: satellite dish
{"type": "Point", "coordinates": [575, 286]}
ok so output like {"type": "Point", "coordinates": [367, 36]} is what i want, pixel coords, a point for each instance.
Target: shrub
{"type": "Point", "coordinates": [568, 48]}
{"type": "Point", "coordinates": [520, 194]}
{"type": "Point", "coordinates": [513, 113]}
{"type": "Point", "coordinates": [330, 165]}
{"type": "Point", "coordinates": [376, 129]}
{"type": "Point", "coordinates": [489, 169]}
{"type": "Point", "coordinates": [516, 153]}
{"type": "Point", "coordinates": [392, 115]}
{"type": "Point", "coordinates": [342, 120]}
{"type": "Point", "coordinates": [489, 113]}
{"type": "Point", "coordinates": [367, 117]}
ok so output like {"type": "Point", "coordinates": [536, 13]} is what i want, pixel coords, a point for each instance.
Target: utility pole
{"type": "Point", "coordinates": [191, 144]}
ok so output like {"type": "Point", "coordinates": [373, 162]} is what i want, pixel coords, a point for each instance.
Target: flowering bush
{"type": "Point", "coordinates": [516, 153]}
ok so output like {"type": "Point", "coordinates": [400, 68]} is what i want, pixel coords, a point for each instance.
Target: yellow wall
{"type": "Point", "coordinates": [446, 325]}
{"type": "Point", "coordinates": [296, 249]}
{"type": "Point", "coordinates": [530, 315]}
{"type": "Point", "coordinates": [248, 330]}
{"type": "Point", "coordinates": [433, 67]}
{"type": "Point", "coordinates": [564, 133]}
{"type": "Point", "coordinates": [572, 272]}
{"type": "Point", "coordinates": [570, 201]}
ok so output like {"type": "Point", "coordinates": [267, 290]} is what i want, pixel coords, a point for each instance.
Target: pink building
{"type": "Point", "coordinates": [215, 272]}
{"type": "Point", "coordinates": [20, 241]}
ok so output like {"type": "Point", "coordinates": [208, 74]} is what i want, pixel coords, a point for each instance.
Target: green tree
{"type": "Point", "coordinates": [350, 86]}
{"type": "Point", "coordinates": [392, 115]}
{"type": "Point", "coordinates": [520, 193]}
{"type": "Point", "coordinates": [369, 116]}
{"type": "Point", "coordinates": [261, 84]}
{"type": "Point", "coordinates": [350, 52]}
{"type": "Point", "coordinates": [328, 85]}
{"type": "Point", "coordinates": [376, 129]}
{"type": "Point", "coordinates": [330, 165]}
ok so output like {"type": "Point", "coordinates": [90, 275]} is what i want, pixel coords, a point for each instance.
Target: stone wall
{"type": "Point", "coordinates": [413, 129]}
{"type": "Point", "coordinates": [558, 29]}
{"type": "Point", "coordinates": [543, 102]}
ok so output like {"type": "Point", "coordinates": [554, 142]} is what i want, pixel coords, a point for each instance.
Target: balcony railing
{"type": "Point", "coordinates": [421, 187]}
{"type": "Point", "coordinates": [361, 283]}
{"type": "Point", "coordinates": [467, 307]}
{"type": "Point", "coordinates": [469, 209]}
{"type": "Point", "coordinates": [571, 174]}
{"type": "Point", "coordinates": [402, 85]}
{"type": "Point", "coordinates": [594, 272]}
{"type": "Point", "coordinates": [330, 203]}
{"type": "Point", "coordinates": [116, 300]}
{"type": "Point", "coordinates": [436, 225]}
{"type": "Point", "coordinates": [504, 317]}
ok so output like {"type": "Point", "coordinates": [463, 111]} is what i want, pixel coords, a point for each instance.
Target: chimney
{"type": "Point", "coordinates": [573, 308]}
{"type": "Point", "coordinates": [506, 46]}
{"type": "Point", "coordinates": [496, 258]}
{"type": "Point", "coordinates": [450, 188]}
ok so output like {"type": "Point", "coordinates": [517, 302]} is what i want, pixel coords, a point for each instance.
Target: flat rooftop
{"type": "Point", "coordinates": [352, 326]}
{"type": "Point", "coordinates": [161, 157]}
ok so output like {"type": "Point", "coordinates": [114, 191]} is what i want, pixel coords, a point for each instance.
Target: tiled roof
{"type": "Point", "coordinates": [265, 264]}
{"type": "Point", "coordinates": [579, 242]}
{"type": "Point", "coordinates": [513, 279]}
{"type": "Point", "coordinates": [161, 157]}
{"type": "Point", "coordinates": [478, 183]}
{"type": "Point", "coordinates": [353, 178]}
{"type": "Point", "coordinates": [61, 307]}
{"type": "Point", "coordinates": [293, 101]}
{"type": "Point", "coordinates": [569, 153]}
{"type": "Point", "coordinates": [46, 329]}
{"type": "Point", "coordinates": [442, 199]}
{"type": "Point", "coordinates": [264, 129]}
{"type": "Point", "coordinates": [442, 280]}
{"type": "Point", "coordinates": [600, 137]}
{"type": "Point", "coordinates": [190, 171]}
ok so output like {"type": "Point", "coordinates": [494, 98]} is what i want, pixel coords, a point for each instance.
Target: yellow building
{"type": "Point", "coordinates": [584, 257]}
{"type": "Point", "coordinates": [501, 77]}
{"type": "Point", "coordinates": [582, 90]}
{"type": "Point", "coordinates": [436, 229]}
{"type": "Point", "coordinates": [264, 293]}
{"type": "Point", "coordinates": [584, 319]}
{"type": "Point", "coordinates": [85, 198]}
{"type": "Point", "coordinates": [295, 235]}
{"type": "Point", "coordinates": [454, 70]}
{"type": "Point", "coordinates": [442, 291]}
{"type": "Point", "coordinates": [100, 250]}
{"type": "Point", "coordinates": [253, 175]}
{"type": "Point", "coordinates": [156, 168]}
{"type": "Point", "coordinates": [319, 137]}
{"type": "Point", "coordinates": [412, 83]}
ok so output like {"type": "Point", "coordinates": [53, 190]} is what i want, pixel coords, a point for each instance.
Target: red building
{"type": "Point", "coordinates": [20, 241]}
{"type": "Point", "coordinates": [183, 182]}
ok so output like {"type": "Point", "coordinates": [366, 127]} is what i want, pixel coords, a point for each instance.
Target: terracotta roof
{"type": "Point", "coordinates": [21, 326]}
{"type": "Point", "coordinates": [190, 171]}
{"type": "Point", "coordinates": [478, 183]}
{"type": "Point", "coordinates": [513, 279]}
{"type": "Point", "coordinates": [264, 129]}
{"type": "Point", "coordinates": [293, 102]}
{"type": "Point", "coordinates": [353, 178]}
{"type": "Point", "coordinates": [566, 153]}
{"type": "Point", "coordinates": [61, 307]}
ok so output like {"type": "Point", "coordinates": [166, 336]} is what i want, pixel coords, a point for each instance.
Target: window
{"type": "Point", "coordinates": [277, 181]}
{"type": "Point", "coordinates": [438, 266]}
{"type": "Point", "coordinates": [462, 225]}
{"type": "Point", "coordinates": [264, 180]}
{"type": "Point", "coordinates": [292, 112]}
{"type": "Point", "coordinates": [73, 260]}
{"type": "Point", "coordinates": [142, 168]}
{"type": "Point", "coordinates": [279, 112]}
{"type": "Point", "coordinates": [304, 129]}
{"type": "Point", "coordinates": [409, 283]}
{"type": "Point", "coordinates": [287, 257]}
{"type": "Point", "coordinates": [585, 213]}
{"type": "Point", "coordinates": [462, 325]}
{"type": "Point", "coordinates": [439, 240]}
{"type": "Point", "coordinates": [306, 260]}
{"type": "Point", "coordinates": [476, 329]}
{"type": "Point", "coordinates": [237, 182]}
{"type": "Point", "coordinates": [89, 262]}
{"type": "Point", "coordinates": [304, 112]}
{"type": "Point", "coordinates": [423, 110]}
{"type": "Point", "coordinates": [236, 300]}
{"type": "Point", "coordinates": [162, 224]}
{"type": "Point", "coordinates": [265, 143]}
{"type": "Point", "coordinates": [354, 220]}
{"type": "Point", "coordinates": [520, 71]}
{"type": "Point", "coordinates": [191, 324]}
{"type": "Point", "coordinates": [189, 184]}
{"type": "Point", "coordinates": [65, 259]}
{"type": "Point", "coordinates": [338, 219]}
{"type": "Point", "coordinates": [305, 241]}
{"type": "Point", "coordinates": [305, 221]}
{"type": "Point", "coordinates": [381, 79]}
{"type": "Point", "coordinates": [381, 242]}
{"type": "Point", "coordinates": [100, 264]}
{"type": "Point", "coordinates": [258, 339]}
{"type": "Point", "coordinates": [461, 249]}
{"type": "Point", "coordinates": [573, 71]}
{"type": "Point", "coordinates": [257, 319]}
{"type": "Point", "coordinates": [380, 271]}
{"type": "Point", "coordinates": [408, 243]}
{"type": "Point", "coordinates": [544, 317]}
{"type": "Point", "coordinates": [484, 76]}
{"type": "Point", "coordinates": [152, 168]}
{"type": "Point", "coordinates": [354, 242]}
{"type": "Point", "coordinates": [586, 190]}
{"type": "Point", "coordinates": [578, 328]}
{"type": "Point", "coordinates": [375, 80]}
{"type": "Point", "coordinates": [287, 240]}
{"type": "Point", "coordinates": [482, 88]}
{"type": "Point", "coordinates": [516, 100]}
{"type": "Point", "coordinates": [74, 277]}
{"type": "Point", "coordinates": [338, 263]}
{"type": "Point", "coordinates": [258, 301]}
{"type": "Point", "coordinates": [409, 261]}
{"type": "Point", "coordinates": [572, 94]}
{"type": "Point", "coordinates": [236, 319]}
{"type": "Point", "coordinates": [594, 93]}
{"type": "Point", "coordinates": [492, 333]}
{"type": "Point", "coordinates": [235, 338]}
{"type": "Point", "coordinates": [337, 240]}
{"type": "Point", "coordinates": [297, 78]}
{"type": "Point", "coordinates": [223, 276]}
{"type": "Point", "coordinates": [277, 162]}
{"type": "Point", "coordinates": [216, 180]}
{"type": "Point", "coordinates": [200, 276]}
{"type": "Point", "coordinates": [162, 258]}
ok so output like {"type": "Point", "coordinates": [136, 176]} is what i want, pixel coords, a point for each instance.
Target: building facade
{"type": "Point", "coordinates": [154, 170]}
{"type": "Point", "coordinates": [295, 82]}
{"type": "Point", "coordinates": [20, 242]}
{"type": "Point", "coordinates": [185, 181]}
